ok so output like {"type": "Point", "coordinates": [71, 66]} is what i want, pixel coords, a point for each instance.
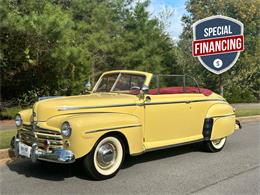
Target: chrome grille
{"type": "Point", "coordinates": [39, 136]}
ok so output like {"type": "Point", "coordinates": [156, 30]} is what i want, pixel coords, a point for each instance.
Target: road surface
{"type": "Point", "coordinates": [181, 170]}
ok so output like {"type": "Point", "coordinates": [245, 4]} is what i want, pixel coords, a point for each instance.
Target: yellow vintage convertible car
{"type": "Point", "coordinates": [127, 112]}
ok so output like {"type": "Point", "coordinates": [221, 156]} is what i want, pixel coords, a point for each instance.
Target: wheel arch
{"type": "Point", "coordinates": [118, 134]}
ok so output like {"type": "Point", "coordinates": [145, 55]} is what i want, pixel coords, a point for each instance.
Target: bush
{"type": "Point", "coordinates": [9, 113]}
{"type": "Point", "coordinates": [238, 95]}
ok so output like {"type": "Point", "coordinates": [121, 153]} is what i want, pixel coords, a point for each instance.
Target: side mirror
{"type": "Point", "coordinates": [144, 90]}
{"type": "Point", "coordinates": [88, 86]}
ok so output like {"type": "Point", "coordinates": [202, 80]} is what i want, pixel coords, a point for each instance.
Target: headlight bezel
{"type": "Point", "coordinates": [18, 120]}
{"type": "Point", "coordinates": [66, 129]}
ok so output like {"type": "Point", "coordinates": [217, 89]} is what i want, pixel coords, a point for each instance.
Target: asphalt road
{"type": "Point", "coordinates": [181, 170]}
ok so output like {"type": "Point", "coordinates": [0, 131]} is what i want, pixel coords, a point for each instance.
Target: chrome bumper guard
{"type": "Point", "coordinates": [58, 155]}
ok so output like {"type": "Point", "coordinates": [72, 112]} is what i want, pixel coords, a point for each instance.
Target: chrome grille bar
{"type": "Point", "coordinates": [39, 135]}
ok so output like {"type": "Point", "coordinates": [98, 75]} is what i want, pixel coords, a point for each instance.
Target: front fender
{"type": "Point", "coordinates": [26, 116]}
{"type": "Point", "coordinates": [88, 128]}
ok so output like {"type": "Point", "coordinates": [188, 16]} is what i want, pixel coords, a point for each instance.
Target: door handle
{"type": "Point", "coordinates": [147, 99]}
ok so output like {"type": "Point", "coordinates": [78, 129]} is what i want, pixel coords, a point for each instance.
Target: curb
{"type": "Point", "coordinates": [8, 154]}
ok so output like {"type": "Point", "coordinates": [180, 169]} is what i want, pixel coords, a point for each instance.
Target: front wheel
{"type": "Point", "coordinates": [105, 160]}
{"type": "Point", "coordinates": [215, 145]}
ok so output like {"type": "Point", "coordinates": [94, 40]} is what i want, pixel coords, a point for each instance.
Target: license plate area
{"type": "Point", "coordinates": [25, 150]}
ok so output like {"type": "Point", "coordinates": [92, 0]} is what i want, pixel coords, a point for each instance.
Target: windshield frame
{"type": "Point", "coordinates": [147, 79]}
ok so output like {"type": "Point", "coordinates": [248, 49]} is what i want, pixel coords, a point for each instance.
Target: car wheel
{"type": "Point", "coordinates": [106, 158]}
{"type": "Point", "coordinates": [215, 145]}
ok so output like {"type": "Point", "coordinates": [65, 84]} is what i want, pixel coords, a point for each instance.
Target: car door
{"type": "Point", "coordinates": [171, 119]}
{"type": "Point", "coordinates": [168, 120]}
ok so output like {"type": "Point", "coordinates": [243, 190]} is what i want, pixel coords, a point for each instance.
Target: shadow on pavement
{"type": "Point", "coordinates": [45, 170]}
{"type": "Point", "coordinates": [161, 154]}
{"type": "Point", "coordinates": [58, 172]}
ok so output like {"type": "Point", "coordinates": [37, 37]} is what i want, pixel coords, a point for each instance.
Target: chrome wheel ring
{"type": "Point", "coordinates": [106, 155]}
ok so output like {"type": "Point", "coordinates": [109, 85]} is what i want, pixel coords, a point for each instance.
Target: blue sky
{"type": "Point", "coordinates": [174, 27]}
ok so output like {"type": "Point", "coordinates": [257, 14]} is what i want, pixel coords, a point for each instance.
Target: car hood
{"type": "Point", "coordinates": [45, 109]}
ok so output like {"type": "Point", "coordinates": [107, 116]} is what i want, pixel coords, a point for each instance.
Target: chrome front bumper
{"type": "Point", "coordinates": [58, 155]}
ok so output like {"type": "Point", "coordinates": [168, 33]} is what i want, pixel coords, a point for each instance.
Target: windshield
{"type": "Point", "coordinates": [120, 82]}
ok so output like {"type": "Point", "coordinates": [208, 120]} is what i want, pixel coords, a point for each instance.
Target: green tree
{"type": "Point", "coordinates": [37, 49]}
{"type": "Point", "coordinates": [51, 47]}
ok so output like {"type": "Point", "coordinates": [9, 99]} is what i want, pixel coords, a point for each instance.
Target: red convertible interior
{"type": "Point", "coordinates": [179, 90]}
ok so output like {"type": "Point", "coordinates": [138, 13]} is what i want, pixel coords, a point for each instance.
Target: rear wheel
{"type": "Point", "coordinates": [105, 160]}
{"type": "Point", "coordinates": [215, 145]}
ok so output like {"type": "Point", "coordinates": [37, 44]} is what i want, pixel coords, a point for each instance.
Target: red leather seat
{"type": "Point", "coordinates": [179, 90]}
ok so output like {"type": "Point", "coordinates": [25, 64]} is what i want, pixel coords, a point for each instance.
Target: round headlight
{"type": "Point", "coordinates": [18, 120]}
{"type": "Point", "coordinates": [66, 129]}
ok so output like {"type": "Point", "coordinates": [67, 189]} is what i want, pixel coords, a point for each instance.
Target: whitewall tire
{"type": "Point", "coordinates": [106, 158]}
{"type": "Point", "coordinates": [215, 145]}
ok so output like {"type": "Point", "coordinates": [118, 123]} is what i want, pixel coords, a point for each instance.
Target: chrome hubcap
{"type": "Point", "coordinates": [106, 155]}
{"type": "Point", "coordinates": [217, 141]}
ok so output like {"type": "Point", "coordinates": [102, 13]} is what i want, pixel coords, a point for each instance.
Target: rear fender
{"type": "Point", "coordinates": [223, 121]}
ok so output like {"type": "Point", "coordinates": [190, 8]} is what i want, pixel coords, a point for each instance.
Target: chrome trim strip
{"type": "Point", "coordinates": [208, 100]}
{"type": "Point", "coordinates": [64, 108]}
{"type": "Point", "coordinates": [179, 102]}
{"type": "Point", "coordinates": [48, 97]}
{"type": "Point", "coordinates": [158, 103]}
{"type": "Point", "coordinates": [41, 130]}
{"type": "Point", "coordinates": [50, 131]}
{"type": "Point", "coordinates": [220, 116]}
{"type": "Point", "coordinates": [90, 107]}
{"type": "Point", "coordinates": [108, 129]}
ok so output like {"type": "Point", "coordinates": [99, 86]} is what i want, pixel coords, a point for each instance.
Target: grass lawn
{"type": "Point", "coordinates": [247, 112]}
{"type": "Point", "coordinates": [5, 138]}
